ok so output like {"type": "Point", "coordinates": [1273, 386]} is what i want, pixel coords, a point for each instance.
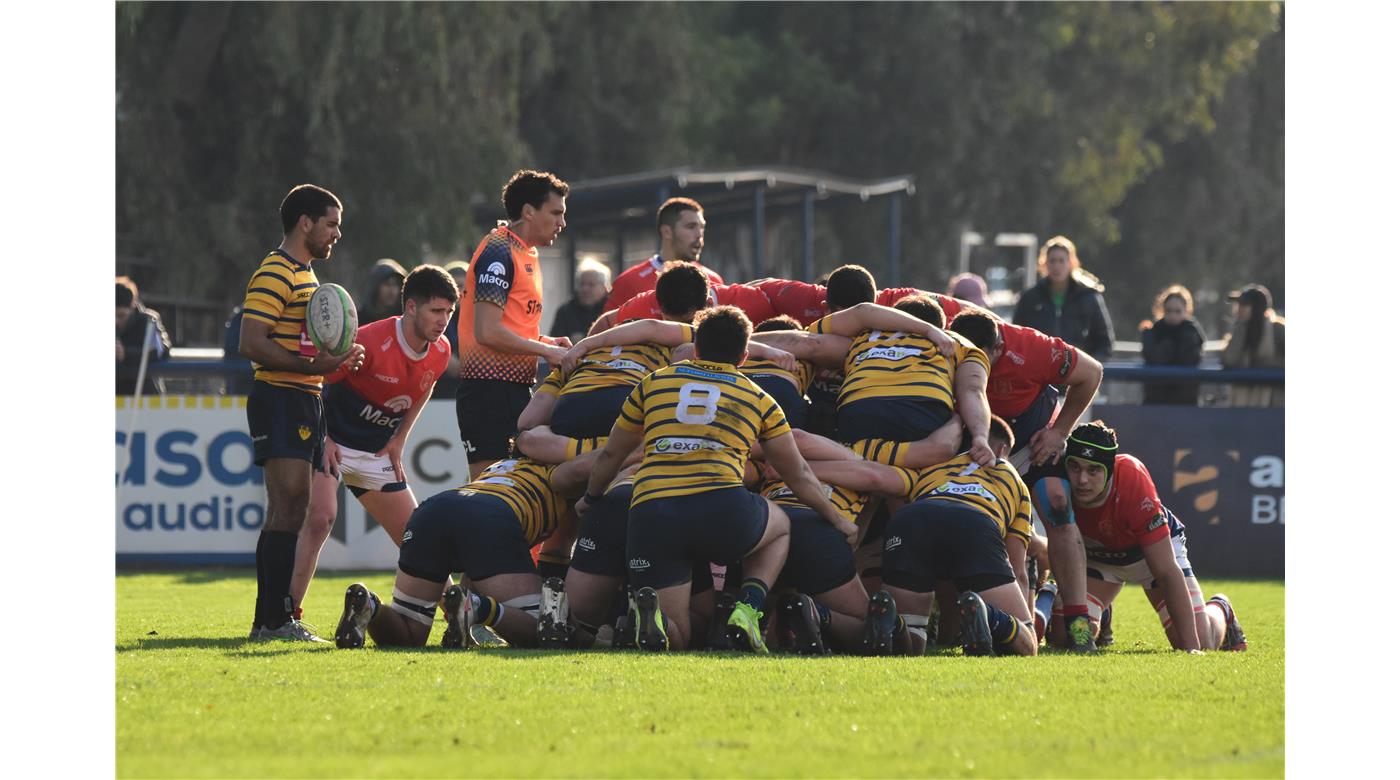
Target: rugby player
{"type": "Point", "coordinates": [697, 422]}
{"type": "Point", "coordinates": [499, 327]}
{"type": "Point", "coordinates": [1021, 388]}
{"type": "Point", "coordinates": [370, 413]}
{"type": "Point", "coordinates": [969, 523]}
{"type": "Point", "coordinates": [485, 529]}
{"type": "Point", "coordinates": [680, 224]}
{"type": "Point", "coordinates": [1131, 538]}
{"type": "Point", "coordinates": [752, 302]}
{"type": "Point", "coordinates": [285, 417]}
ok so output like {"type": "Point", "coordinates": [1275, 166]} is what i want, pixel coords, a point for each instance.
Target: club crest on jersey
{"type": "Point", "coordinates": [304, 432]}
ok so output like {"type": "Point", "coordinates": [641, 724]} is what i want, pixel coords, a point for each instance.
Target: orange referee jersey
{"type": "Point", "coordinates": [505, 273]}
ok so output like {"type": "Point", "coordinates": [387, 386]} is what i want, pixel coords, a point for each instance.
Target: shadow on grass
{"type": "Point", "coordinates": [237, 646]}
{"type": "Point", "coordinates": [210, 574]}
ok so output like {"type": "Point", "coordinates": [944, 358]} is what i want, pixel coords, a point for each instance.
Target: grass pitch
{"type": "Point", "coordinates": [193, 700]}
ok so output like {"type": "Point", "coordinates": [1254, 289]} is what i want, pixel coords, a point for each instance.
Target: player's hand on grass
{"type": "Point", "coordinates": [1047, 445]}
{"type": "Point", "coordinates": [982, 451]}
{"type": "Point", "coordinates": [331, 458]}
{"type": "Point", "coordinates": [394, 449]}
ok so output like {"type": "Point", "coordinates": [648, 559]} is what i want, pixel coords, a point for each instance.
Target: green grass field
{"type": "Point", "coordinates": [193, 700]}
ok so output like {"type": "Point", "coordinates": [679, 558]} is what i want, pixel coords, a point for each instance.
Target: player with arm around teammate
{"type": "Point", "coordinates": [370, 413]}
{"type": "Point", "coordinates": [1130, 537]}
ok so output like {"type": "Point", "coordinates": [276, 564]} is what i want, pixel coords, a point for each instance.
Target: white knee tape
{"type": "Point", "coordinates": [1095, 607]}
{"type": "Point", "coordinates": [401, 596]}
{"type": "Point", "coordinates": [409, 612]}
{"type": "Point", "coordinates": [530, 602]}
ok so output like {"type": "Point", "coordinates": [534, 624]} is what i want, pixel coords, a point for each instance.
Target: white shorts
{"type": "Point", "coordinates": [365, 470]}
{"type": "Point", "coordinates": [1138, 572]}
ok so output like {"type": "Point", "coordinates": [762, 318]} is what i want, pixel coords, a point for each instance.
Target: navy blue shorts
{"type": "Point", "coordinates": [1035, 417]}
{"type": "Point", "coordinates": [590, 414]}
{"type": "Point", "coordinates": [666, 537]}
{"type": "Point", "coordinates": [892, 419]}
{"type": "Point", "coordinates": [285, 423]}
{"type": "Point", "coordinates": [938, 539]}
{"type": "Point", "coordinates": [487, 413]}
{"type": "Point", "coordinates": [602, 535]}
{"type": "Point", "coordinates": [818, 557]}
{"type": "Point", "coordinates": [789, 398]}
{"type": "Point", "coordinates": [476, 534]}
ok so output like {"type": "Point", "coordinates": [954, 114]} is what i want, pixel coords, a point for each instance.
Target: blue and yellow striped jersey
{"type": "Point", "coordinates": [996, 490]}
{"type": "Point", "coordinates": [848, 503]}
{"type": "Point", "coordinates": [524, 485]}
{"type": "Point", "coordinates": [611, 367]}
{"type": "Point", "coordinates": [883, 364]}
{"type": "Point", "coordinates": [757, 367]}
{"type": "Point", "coordinates": [699, 420]}
{"type": "Point", "coordinates": [277, 294]}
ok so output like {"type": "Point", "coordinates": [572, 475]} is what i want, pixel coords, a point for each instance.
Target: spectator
{"type": "Point", "coordinates": [969, 287]}
{"type": "Point", "coordinates": [1175, 339]}
{"type": "Point", "coordinates": [1254, 341]}
{"type": "Point", "coordinates": [592, 282]}
{"type": "Point", "coordinates": [1067, 302]}
{"type": "Point", "coordinates": [134, 339]}
{"type": "Point", "coordinates": [384, 294]}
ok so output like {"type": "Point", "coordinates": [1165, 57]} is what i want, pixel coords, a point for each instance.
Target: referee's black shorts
{"type": "Point", "coordinates": [487, 411]}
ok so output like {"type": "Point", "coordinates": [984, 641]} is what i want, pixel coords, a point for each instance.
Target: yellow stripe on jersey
{"type": "Point", "coordinates": [756, 366]}
{"type": "Point", "coordinates": [890, 453]}
{"type": "Point", "coordinates": [577, 447]}
{"type": "Point", "coordinates": [996, 490]}
{"type": "Point", "coordinates": [883, 364]}
{"type": "Point", "coordinates": [699, 420]}
{"type": "Point", "coordinates": [612, 367]}
{"type": "Point", "coordinates": [277, 295]}
{"type": "Point", "coordinates": [524, 485]}
{"type": "Point", "coordinates": [848, 503]}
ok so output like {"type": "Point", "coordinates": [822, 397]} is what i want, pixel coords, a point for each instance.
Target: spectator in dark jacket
{"type": "Point", "coordinates": [135, 338]}
{"type": "Point", "coordinates": [592, 282]}
{"type": "Point", "coordinates": [383, 296]}
{"type": "Point", "coordinates": [1175, 339]}
{"type": "Point", "coordinates": [1067, 302]}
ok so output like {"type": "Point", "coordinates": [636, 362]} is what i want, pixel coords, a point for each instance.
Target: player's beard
{"type": "Point", "coordinates": [319, 252]}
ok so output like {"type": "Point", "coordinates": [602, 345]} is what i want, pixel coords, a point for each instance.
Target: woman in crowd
{"type": "Point", "coordinates": [1175, 339]}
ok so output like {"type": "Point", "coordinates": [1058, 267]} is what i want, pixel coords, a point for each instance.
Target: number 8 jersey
{"type": "Point", "coordinates": [699, 421]}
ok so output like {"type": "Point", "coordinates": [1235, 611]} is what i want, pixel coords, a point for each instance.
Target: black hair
{"type": "Point", "coordinates": [427, 282]}
{"type": "Point", "coordinates": [977, 326]}
{"type": "Point", "coordinates": [670, 212]}
{"type": "Point", "coordinates": [849, 285]}
{"type": "Point", "coordinates": [532, 187]}
{"type": "Point", "coordinates": [681, 288]}
{"type": "Point", "coordinates": [126, 291]}
{"type": "Point", "coordinates": [779, 323]}
{"type": "Point", "coordinates": [1259, 302]}
{"type": "Point", "coordinates": [924, 307]}
{"type": "Point", "coordinates": [722, 334]}
{"type": "Point", "coordinates": [306, 200]}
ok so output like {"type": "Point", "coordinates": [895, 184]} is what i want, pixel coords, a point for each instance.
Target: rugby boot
{"type": "Point", "coordinates": [553, 629]}
{"type": "Point", "coordinates": [458, 608]}
{"type": "Point", "coordinates": [976, 633]}
{"type": "Point", "coordinates": [625, 629]}
{"type": "Point", "coordinates": [745, 630]}
{"type": "Point", "coordinates": [651, 624]}
{"type": "Point", "coordinates": [1234, 632]}
{"type": "Point", "coordinates": [719, 624]}
{"type": "Point", "coordinates": [354, 620]}
{"type": "Point", "coordinates": [1105, 637]}
{"type": "Point", "coordinates": [1081, 634]}
{"type": "Point", "coordinates": [803, 624]}
{"type": "Point", "coordinates": [881, 620]}
{"type": "Point", "coordinates": [291, 631]}
{"type": "Point", "coordinates": [784, 633]}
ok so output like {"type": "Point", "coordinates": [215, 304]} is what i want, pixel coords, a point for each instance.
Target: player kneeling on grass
{"type": "Point", "coordinates": [370, 412]}
{"type": "Point", "coordinates": [697, 422]}
{"type": "Point", "coordinates": [1129, 537]}
{"type": "Point", "coordinates": [485, 529]}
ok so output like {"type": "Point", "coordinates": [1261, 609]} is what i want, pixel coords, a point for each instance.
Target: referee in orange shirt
{"type": "Point", "coordinates": [498, 329]}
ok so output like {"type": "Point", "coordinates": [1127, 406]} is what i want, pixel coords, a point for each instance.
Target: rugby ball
{"type": "Point", "coordinates": [331, 319]}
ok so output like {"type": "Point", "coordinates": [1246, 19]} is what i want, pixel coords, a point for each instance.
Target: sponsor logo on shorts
{"type": "Point", "coordinates": [407, 535]}
{"type": "Point", "coordinates": [304, 432]}
{"type": "Point", "coordinates": [638, 564]}
{"type": "Point", "coordinates": [470, 447]}
{"type": "Point", "coordinates": [887, 353]}
{"type": "Point", "coordinates": [684, 445]}
{"type": "Point", "coordinates": [951, 489]}
{"type": "Point", "coordinates": [585, 543]}
{"type": "Point", "coordinates": [893, 542]}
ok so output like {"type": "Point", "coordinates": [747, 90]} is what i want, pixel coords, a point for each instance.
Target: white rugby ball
{"type": "Point", "coordinates": [331, 319]}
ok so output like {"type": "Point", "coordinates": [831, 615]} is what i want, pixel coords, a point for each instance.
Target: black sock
{"type": "Point", "coordinates": [279, 556]}
{"type": "Point", "coordinates": [753, 592]}
{"type": "Point", "coordinates": [262, 582]}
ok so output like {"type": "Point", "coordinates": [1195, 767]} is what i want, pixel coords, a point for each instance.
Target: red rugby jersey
{"type": "Point", "coordinates": [365, 407]}
{"type": "Point", "coordinates": [641, 278]}
{"type": "Point", "coordinates": [1030, 360]}
{"type": "Point", "coordinates": [806, 303]}
{"type": "Point", "coordinates": [750, 300]}
{"type": "Point", "coordinates": [1133, 516]}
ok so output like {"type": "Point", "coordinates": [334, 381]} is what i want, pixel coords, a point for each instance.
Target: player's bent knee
{"type": "Point", "coordinates": [528, 603]}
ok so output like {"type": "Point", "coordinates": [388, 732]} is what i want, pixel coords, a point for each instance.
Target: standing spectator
{"type": "Point", "coordinates": [133, 339]}
{"type": "Point", "coordinates": [1254, 341]}
{"type": "Point", "coordinates": [971, 288]}
{"type": "Point", "coordinates": [384, 293]}
{"type": "Point", "coordinates": [1175, 339]}
{"type": "Point", "coordinates": [592, 282]}
{"type": "Point", "coordinates": [1067, 302]}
